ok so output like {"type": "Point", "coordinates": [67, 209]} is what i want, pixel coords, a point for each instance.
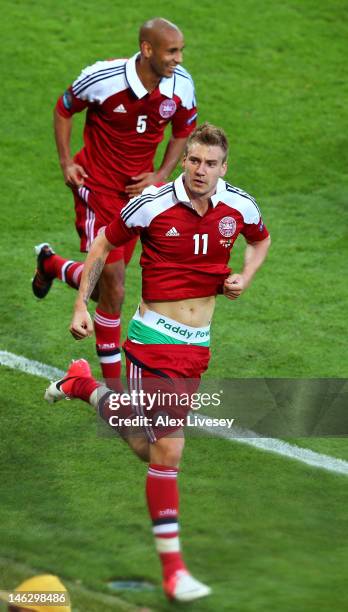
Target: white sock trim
{"type": "Point", "coordinates": [64, 267]}
{"type": "Point", "coordinates": [167, 545]}
{"type": "Point", "coordinates": [110, 358]}
{"type": "Point", "coordinates": [166, 528]}
{"type": "Point", "coordinates": [94, 398]}
{"type": "Point", "coordinates": [97, 394]}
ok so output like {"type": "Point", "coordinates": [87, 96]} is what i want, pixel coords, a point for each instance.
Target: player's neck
{"type": "Point", "coordinates": [200, 205]}
{"type": "Point", "coordinates": [149, 79]}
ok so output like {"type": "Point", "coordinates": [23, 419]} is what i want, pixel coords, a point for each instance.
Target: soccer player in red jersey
{"type": "Point", "coordinates": [187, 229]}
{"type": "Point", "coordinates": [129, 103]}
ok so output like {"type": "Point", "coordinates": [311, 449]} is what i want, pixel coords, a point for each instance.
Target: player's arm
{"type": "Point", "coordinates": [255, 255]}
{"type": "Point", "coordinates": [67, 105]}
{"type": "Point", "coordinates": [172, 155]}
{"type": "Point", "coordinates": [81, 325]}
{"type": "Point", "coordinates": [116, 234]}
{"type": "Point", "coordinates": [74, 174]}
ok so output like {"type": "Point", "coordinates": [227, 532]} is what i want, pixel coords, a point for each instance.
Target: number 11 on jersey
{"type": "Point", "coordinates": [198, 239]}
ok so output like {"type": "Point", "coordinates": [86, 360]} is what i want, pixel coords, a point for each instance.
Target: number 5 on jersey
{"type": "Point", "coordinates": [201, 244]}
{"type": "Point", "coordinates": [141, 124]}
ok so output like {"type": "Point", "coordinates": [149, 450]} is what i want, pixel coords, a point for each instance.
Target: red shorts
{"type": "Point", "coordinates": [171, 369]}
{"type": "Point", "coordinates": [92, 212]}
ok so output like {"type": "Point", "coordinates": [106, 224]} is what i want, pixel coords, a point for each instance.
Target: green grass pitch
{"type": "Point", "coordinates": [265, 532]}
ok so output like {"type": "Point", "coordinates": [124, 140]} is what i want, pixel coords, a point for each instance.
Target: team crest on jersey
{"type": "Point", "coordinates": [227, 226]}
{"type": "Point", "coordinates": [167, 108]}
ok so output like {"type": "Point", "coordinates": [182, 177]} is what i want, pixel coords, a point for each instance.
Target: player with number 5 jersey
{"type": "Point", "coordinates": [125, 121]}
{"type": "Point", "coordinates": [128, 104]}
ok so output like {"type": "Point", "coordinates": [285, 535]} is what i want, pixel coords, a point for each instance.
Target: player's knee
{"type": "Point", "coordinates": [140, 447]}
{"type": "Point", "coordinates": [167, 451]}
{"type": "Point", "coordinates": [113, 274]}
{"type": "Point", "coordinates": [114, 295]}
{"type": "Point", "coordinates": [111, 285]}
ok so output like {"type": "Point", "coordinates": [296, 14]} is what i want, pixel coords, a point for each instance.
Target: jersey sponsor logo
{"type": "Point", "coordinates": [203, 334]}
{"type": "Point", "coordinates": [67, 100]}
{"type": "Point", "coordinates": [167, 108]}
{"type": "Point", "coordinates": [119, 109]}
{"type": "Point", "coordinates": [227, 226]}
{"type": "Point", "coordinates": [173, 232]}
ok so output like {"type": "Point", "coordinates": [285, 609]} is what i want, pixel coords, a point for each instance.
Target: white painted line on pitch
{"type": "Point", "coordinates": [17, 362]}
{"type": "Point", "coordinates": [271, 445]}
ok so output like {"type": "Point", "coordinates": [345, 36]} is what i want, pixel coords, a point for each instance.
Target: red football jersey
{"type": "Point", "coordinates": [124, 123]}
{"type": "Point", "coordinates": [185, 255]}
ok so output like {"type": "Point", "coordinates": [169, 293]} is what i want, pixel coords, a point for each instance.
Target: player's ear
{"type": "Point", "coordinates": [146, 49]}
{"type": "Point", "coordinates": [223, 169]}
{"type": "Point", "coordinates": [183, 163]}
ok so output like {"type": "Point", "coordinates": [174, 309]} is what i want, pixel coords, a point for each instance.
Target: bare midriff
{"type": "Point", "coordinates": [196, 312]}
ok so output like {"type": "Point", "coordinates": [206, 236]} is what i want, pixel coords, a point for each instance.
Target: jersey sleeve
{"type": "Point", "coordinates": [118, 233]}
{"type": "Point", "coordinates": [253, 228]}
{"type": "Point", "coordinates": [255, 232]}
{"type": "Point", "coordinates": [184, 120]}
{"type": "Point", "coordinates": [68, 104]}
{"type": "Point", "coordinates": [87, 89]}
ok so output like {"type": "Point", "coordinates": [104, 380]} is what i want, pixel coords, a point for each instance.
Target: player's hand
{"type": "Point", "coordinates": [234, 285]}
{"type": "Point", "coordinates": [74, 174]}
{"type": "Point", "coordinates": [81, 325]}
{"type": "Point", "coordinates": [141, 181]}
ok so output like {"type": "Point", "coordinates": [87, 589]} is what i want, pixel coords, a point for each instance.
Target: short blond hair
{"type": "Point", "coordinates": [208, 134]}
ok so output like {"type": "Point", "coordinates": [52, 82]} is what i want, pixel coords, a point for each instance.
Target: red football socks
{"type": "Point", "coordinates": [84, 387]}
{"type": "Point", "coordinates": [163, 503]}
{"type": "Point", "coordinates": [107, 334]}
{"type": "Point", "coordinates": [107, 326]}
{"type": "Point", "coordinates": [66, 270]}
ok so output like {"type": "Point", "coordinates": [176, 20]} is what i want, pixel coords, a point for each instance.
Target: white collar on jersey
{"type": "Point", "coordinates": [182, 196]}
{"type": "Point", "coordinates": [166, 85]}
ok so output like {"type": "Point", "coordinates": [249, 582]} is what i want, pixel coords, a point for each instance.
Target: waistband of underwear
{"type": "Point", "coordinates": [154, 328]}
